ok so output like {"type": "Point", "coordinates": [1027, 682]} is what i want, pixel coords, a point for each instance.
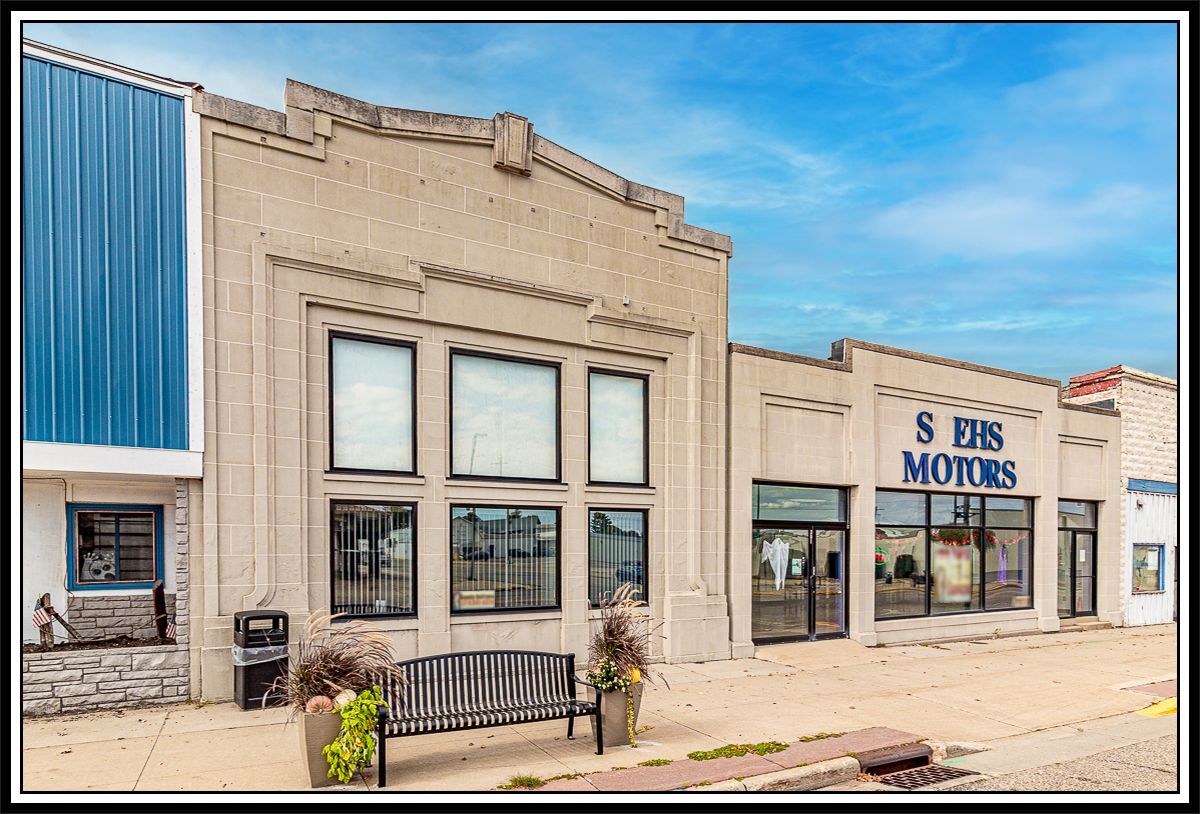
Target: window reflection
{"type": "Point", "coordinates": [372, 405]}
{"type": "Point", "coordinates": [616, 428]}
{"type": "Point", "coordinates": [504, 418]}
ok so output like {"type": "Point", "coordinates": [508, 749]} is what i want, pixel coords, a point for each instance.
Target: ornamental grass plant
{"type": "Point", "coordinates": [335, 658]}
{"type": "Point", "coordinates": [619, 650]}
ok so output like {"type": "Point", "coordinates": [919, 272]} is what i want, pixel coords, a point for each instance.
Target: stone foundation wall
{"type": "Point", "coordinates": [77, 680]}
{"type": "Point", "coordinates": [106, 616]}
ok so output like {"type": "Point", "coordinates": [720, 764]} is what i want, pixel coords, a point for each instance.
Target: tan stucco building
{"type": "Point", "coordinates": [931, 490]}
{"type": "Point", "coordinates": [450, 238]}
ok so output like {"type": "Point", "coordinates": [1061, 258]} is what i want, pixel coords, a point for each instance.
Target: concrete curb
{"type": "Point", "coordinates": [801, 778]}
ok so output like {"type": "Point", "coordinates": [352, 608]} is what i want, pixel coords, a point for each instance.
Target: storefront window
{"type": "Point", "coordinates": [1147, 568]}
{"type": "Point", "coordinates": [955, 510]}
{"type": "Point", "coordinates": [1009, 512]}
{"type": "Point", "coordinates": [954, 582]}
{"type": "Point", "coordinates": [617, 553]}
{"type": "Point", "coordinates": [900, 573]}
{"type": "Point", "coordinates": [900, 509]}
{"type": "Point", "coordinates": [114, 546]}
{"type": "Point", "coordinates": [1076, 514]}
{"type": "Point", "coordinates": [1007, 569]}
{"type": "Point", "coordinates": [372, 404]}
{"type": "Point", "coordinates": [503, 558]}
{"type": "Point", "coordinates": [801, 504]}
{"type": "Point", "coordinates": [374, 570]}
{"type": "Point", "coordinates": [503, 418]}
{"type": "Point", "coordinates": [934, 554]}
{"type": "Point", "coordinates": [617, 428]}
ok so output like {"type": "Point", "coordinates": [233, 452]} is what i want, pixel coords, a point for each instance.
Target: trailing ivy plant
{"type": "Point", "coordinates": [352, 749]}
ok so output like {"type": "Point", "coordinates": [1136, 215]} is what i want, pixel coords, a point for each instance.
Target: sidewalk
{"type": "Point", "coordinates": [975, 691]}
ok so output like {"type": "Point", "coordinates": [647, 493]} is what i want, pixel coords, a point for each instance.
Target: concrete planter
{"type": "Point", "coordinates": [614, 710]}
{"type": "Point", "coordinates": [317, 730]}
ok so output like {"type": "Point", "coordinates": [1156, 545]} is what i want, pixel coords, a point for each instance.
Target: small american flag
{"type": "Point", "coordinates": [171, 628]}
{"type": "Point", "coordinates": [40, 616]}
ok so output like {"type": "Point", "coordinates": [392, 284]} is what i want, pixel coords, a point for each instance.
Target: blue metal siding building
{"type": "Point", "coordinates": [104, 260]}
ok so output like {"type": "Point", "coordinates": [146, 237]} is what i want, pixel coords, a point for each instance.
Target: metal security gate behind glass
{"type": "Point", "coordinates": [798, 563]}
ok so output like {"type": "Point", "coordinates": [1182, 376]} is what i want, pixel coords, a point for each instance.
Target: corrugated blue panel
{"type": "Point", "coordinates": [1160, 486]}
{"type": "Point", "coordinates": [104, 260]}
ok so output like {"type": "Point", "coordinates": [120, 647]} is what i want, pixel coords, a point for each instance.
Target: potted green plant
{"type": "Point", "coordinates": [332, 687]}
{"type": "Point", "coordinates": [618, 664]}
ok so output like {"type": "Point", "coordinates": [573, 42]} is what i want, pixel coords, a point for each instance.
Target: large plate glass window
{"type": "Point", "coordinates": [617, 428]}
{"type": "Point", "coordinates": [503, 558]}
{"type": "Point", "coordinates": [617, 552]}
{"type": "Point", "coordinates": [503, 418]}
{"type": "Point", "coordinates": [373, 404]}
{"type": "Point", "coordinates": [114, 546]}
{"type": "Point", "coordinates": [945, 553]}
{"type": "Point", "coordinates": [373, 558]}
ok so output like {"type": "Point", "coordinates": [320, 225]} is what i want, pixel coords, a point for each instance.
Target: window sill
{"type": "Point", "coordinates": [524, 485]}
{"type": "Point", "coordinates": [610, 488]}
{"type": "Point", "coordinates": [478, 618]}
{"type": "Point", "coordinates": [1148, 593]}
{"type": "Point", "coordinates": [357, 477]}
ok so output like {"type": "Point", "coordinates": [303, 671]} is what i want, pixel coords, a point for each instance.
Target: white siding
{"type": "Point", "coordinates": [1155, 521]}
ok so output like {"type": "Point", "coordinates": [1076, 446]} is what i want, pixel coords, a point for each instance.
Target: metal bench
{"type": "Point", "coordinates": [458, 691]}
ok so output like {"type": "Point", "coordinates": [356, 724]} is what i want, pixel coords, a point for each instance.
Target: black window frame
{"type": "Point", "coordinates": [378, 340]}
{"type": "Point", "coordinates": [644, 511]}
{"type": "Point", "coordinates": [411, 505]}
{"type": "Point", "coordinates": [558, 575]}
{"type": "Point", "coordinates": [558, 442]}
{"type": "Point", "coordinates": [645, 378]}
{"type": "Point", "coordinates": [982, 527]}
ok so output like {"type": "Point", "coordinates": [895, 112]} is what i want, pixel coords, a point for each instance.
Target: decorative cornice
{"type": "Point", "coordinates": [514, 144]}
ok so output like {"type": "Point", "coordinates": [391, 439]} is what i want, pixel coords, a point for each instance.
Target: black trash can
{"type": "Point", "coordinates": [260, 655]}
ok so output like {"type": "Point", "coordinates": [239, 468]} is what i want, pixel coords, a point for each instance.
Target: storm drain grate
{"type": "Point", "coordinates": [923, 776]}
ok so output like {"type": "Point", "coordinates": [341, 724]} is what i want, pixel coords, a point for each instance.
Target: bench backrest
{"type": "Point", "coordinates": [462, 683]}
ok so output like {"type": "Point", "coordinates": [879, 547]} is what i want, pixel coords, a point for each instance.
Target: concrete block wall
{"type": "Point", "coordinates": [79, 680]}
{"type": "Point", "coordinates": [106, 616]}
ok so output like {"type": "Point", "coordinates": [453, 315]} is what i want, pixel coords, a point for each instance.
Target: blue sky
{"type": "Point", "coordinates": [999, 193]}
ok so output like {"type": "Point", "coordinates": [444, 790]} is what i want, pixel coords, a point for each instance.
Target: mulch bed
{"type": "Point", "coordinates": [98, 644]}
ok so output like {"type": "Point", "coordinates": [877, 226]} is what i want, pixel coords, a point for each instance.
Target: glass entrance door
{"type": "Point", "coordinates": [829, 582]}
{"type": "Point", "coordinates": [1085, 573]}
{"type": "Point", "coordinates": [797, 583]}
{"type": "Point", "coordinates": [1076, 573]}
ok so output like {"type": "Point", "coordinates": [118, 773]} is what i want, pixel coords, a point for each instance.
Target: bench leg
{"type": "Point", "coordinates": [382, 755]}
{"type": "Point", "coordinates": [571, 728]}
{"type": "Point", "coordinates": [599, 732]}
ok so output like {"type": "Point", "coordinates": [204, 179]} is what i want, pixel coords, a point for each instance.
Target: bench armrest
{"type": "Point", "coordinates": [589, 684]}
{"type": "Point", "coordinates": [585, 683]}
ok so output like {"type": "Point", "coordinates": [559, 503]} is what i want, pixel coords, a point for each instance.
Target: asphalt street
{"type": "Point", "coordinates": [1148, 766]}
